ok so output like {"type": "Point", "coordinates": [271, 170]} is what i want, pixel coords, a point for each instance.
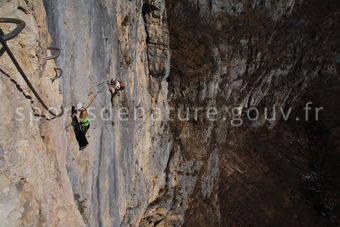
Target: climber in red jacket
{"type": "Point", "coordinates": [115, 86]}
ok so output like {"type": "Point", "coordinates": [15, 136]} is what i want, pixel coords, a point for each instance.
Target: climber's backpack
{"type": "Point", "coordinates": [122, 86]}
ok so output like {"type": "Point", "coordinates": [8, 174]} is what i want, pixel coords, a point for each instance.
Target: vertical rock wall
{"type": "Point", "coordinates": [144, 172]}
{"type": "Point", "coordinates": [246, 55]}
{"type": "Point", "coordinates": [122, 170]}
{"type": "Point", "coordinates": [34, 185]}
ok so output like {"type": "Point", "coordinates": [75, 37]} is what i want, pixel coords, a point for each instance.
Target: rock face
{"type": "Point", "coordinates": [34, 186]}
{"type": "Point", "coordinates": [147, 165]}
{"type": "Point", "coordinates": [249, 56]}
{"type": "Point", "coordinates": [122, 171]}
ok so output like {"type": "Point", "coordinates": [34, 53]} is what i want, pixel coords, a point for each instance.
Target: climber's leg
{"type": "Point", "coordinates": [113, 92]}
{"type": "Point", "coordinates": [80, 136]}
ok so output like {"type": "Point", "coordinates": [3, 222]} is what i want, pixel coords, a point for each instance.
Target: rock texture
{"type": "Point", "coordinates": [122, 171]}
{"type": "Point", "coordinates": [34, 186]}
{"type": "Point", "coordinates": [253, 54]}
{"type": "Point", "coordinates": [173, 55]}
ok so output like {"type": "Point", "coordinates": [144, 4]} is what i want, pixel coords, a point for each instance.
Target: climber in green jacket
{"type": "Point", "coordinates": [83, 117]}
{"type": "Point", "coordinates": [80, 124]}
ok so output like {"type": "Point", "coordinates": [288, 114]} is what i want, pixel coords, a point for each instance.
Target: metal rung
{"type": "Point", "coordinates": [58, 75]}
{"type": "Point", "coordinates": [5, 48]}
{"type": "Point", "coordinates": [53, 56]}
{"type": "Point", "coordinates": [20, 26]}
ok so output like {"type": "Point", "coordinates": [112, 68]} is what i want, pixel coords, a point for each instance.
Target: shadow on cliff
{"type": "Point", "coordinates": [284, 176]}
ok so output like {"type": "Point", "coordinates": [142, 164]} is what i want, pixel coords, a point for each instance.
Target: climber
{"type": "Point", "coordinates": [83, 117]}
{"type": "Point", "coordinates": [80, 124]}
{"type": "Point", "coordinates": [115, 86]}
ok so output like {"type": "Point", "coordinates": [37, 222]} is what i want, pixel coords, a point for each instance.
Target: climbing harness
{"type": "Point", "coordinates": [85, 122]}
{"type": "Point", "coordinates": [57, 76]}
{"type": "Point", "coordinates": [5, 48]}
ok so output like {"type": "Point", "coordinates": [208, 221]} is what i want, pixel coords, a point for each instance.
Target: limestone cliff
{"type": "Point", "coordinates": [35, 188]}
{"type": "Point", "coordinates": [173, 55]}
